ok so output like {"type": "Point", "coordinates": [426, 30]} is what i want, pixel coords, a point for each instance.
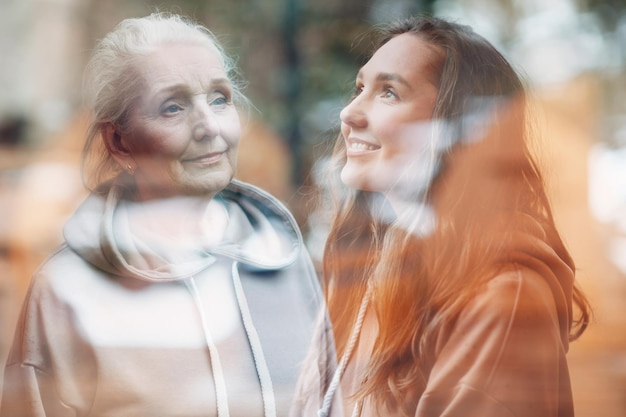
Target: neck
{"type": "Point", "coordinates": [180, 218]}
{"type": "Point", "coordinates": [415, 217]}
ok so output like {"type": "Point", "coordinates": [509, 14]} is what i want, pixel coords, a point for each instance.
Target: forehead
{"type": "Point", "coordinates": [406, 55]}
{"type": "Point", "coordinates": [180, 63]}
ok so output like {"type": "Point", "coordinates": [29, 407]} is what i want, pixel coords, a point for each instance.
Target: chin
{"type": "Point", "coordinates": [213, 187]}
{"type": "Point", "coordinates": [348, 179]}
{"type": "Point", "coordinates": [356, 180]}
{"type": "Point", "coordinates": [202, 186]}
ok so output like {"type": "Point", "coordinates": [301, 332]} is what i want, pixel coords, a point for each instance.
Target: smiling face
{"type": "Point", "coordinates": [387, 126]}
{"type": "Point", "coordinates": [183, 131]}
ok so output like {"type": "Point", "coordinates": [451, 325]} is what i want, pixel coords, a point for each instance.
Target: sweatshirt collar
{"type": "Point", "coordinates": [261, 235]}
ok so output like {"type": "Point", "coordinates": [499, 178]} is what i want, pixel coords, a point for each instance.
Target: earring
{"type": "Point", "coordinates": [130, 168]}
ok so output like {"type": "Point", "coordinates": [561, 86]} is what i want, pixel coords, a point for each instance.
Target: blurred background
{"type": "Point", "coordinates": [300, 59]}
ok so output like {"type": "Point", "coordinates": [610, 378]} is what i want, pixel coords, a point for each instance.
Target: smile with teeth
{"type": "Point", "coordinates": [360, 146]}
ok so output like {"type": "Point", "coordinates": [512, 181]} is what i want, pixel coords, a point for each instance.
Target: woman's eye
{"type": "Point", "coordinates": [171, 109]}
{"type": "Point", "coordinates": [389, 93]}
{"type": "Point", "coordinates": [357, 91]}
{"type": "Point", "coordinates": [220, 100]}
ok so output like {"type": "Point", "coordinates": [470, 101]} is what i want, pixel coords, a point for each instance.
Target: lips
{"type": "Point", "coordinates": [208, 158]}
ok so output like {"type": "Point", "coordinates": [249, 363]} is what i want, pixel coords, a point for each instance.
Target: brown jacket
{"type": "Point", "coordinates": [505, 354]}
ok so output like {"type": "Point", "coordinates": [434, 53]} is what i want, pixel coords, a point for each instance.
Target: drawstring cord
{"type": "Point", "coordinates": [354, 338]}
{"type": "Point", "coordinates": [218, 374]}
{"type": "Point", "coordinates": [267, 390]}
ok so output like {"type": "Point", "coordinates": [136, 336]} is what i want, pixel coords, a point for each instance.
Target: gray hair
{"type": "Point", "coordinates": [111, 83]}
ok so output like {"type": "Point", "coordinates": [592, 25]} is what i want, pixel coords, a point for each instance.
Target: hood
{"type": "Point", "coordinates": [261, 235]}
{"type": "Point", "coordinates": [539, 248]}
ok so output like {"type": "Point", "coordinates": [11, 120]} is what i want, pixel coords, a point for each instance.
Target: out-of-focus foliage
{"type": "Point", "coordinates": [299, 56]}
{"type": "Point", "coordinates": [609, 11]}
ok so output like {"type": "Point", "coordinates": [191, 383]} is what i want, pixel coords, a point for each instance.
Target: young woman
{"type": "Point", "coordinates": [449, 290]}
{"type": "Point", "coordinates": [179, 291]}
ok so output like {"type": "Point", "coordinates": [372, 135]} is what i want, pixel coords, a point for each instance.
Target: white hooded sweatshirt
{"type": "Point", "coordinates": [116, 326]}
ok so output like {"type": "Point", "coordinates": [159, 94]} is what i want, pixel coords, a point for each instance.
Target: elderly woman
{"type": "Point", "coordinates": [178, 290]}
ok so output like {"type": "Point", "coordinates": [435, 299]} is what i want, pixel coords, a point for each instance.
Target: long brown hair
{"type": "Point", "coordinates": [487, 191]}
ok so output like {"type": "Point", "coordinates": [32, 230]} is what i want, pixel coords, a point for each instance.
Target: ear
{"type": "Point", "coordinates": [115, 143]}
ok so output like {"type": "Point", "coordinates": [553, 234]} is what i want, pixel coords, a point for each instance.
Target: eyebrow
{"type": "Point", "coordinates": [387, 76]}
{"type": "Point", "coordinates": [215, 82]}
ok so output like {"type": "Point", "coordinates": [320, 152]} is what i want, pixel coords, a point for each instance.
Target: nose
{"type": "Point", "coordinates": [354, 114]}
{"type": "Point", "coordinates": [205, 122]}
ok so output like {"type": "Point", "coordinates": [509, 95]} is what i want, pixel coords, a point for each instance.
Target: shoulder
{"type": "Point", "coordinates": [62, 260]}
{"type": "Point", "coordinates": [516, 305]}
{"type": "Point", "coordinates": [517, 291]}
{"type": "Point", "coordinates": [505, 343]}
{"type": "Point", "coordinates": [48, 305]}
{"type": "Point", "coordinates": [61, 276]}
{"type": "Point", "coordinates": [513, 309]}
